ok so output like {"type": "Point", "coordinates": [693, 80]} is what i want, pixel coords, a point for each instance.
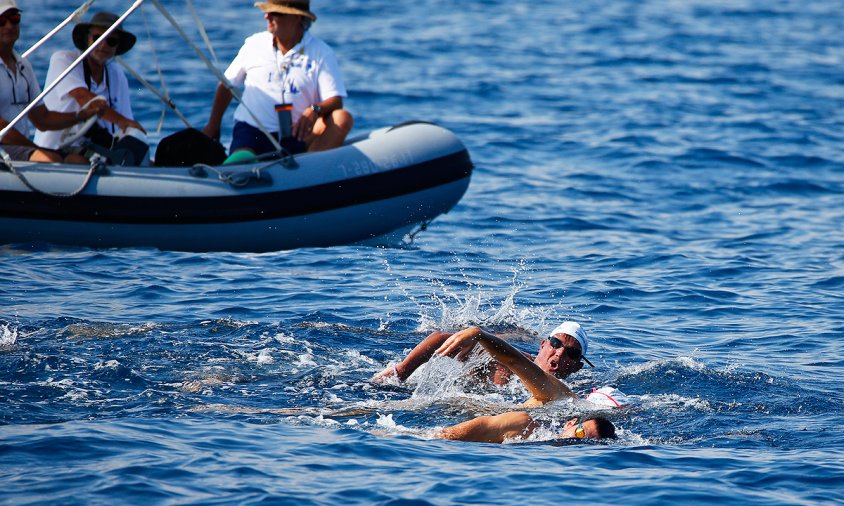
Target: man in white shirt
{"type": "Point", "coordinates": [284, 66]}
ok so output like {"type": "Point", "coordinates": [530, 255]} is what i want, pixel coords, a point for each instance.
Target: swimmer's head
{"type": "Point", "coordinates": [574, 330]}
{"type": "Point", "coordinates": [594, 428]}
{"type": "Point", "coordinates": [561, 354]}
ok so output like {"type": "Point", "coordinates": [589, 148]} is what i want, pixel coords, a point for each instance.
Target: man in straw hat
{"type": "Point", "coordinates": [18, 87]}
{"type": "Point", "coordinates": [283, 67]}
{"type": "Point", "coordinates": [98, 75]}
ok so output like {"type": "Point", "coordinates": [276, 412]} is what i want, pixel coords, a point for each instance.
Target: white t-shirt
{"type": "Point", "coordinates": [17, 89]}
{"type": "Point", "coordinates": [305, 75]}
{"type": "Point", "coordinates": [114, 87]}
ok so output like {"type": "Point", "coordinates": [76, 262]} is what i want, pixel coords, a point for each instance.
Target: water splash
{"type": "Point", "coordinates": [8, 336]}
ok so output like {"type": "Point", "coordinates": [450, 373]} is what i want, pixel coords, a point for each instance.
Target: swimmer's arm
{"type": "Point", "coordinates": [543, 387]}
{"type": "Point", "coordinates": [491, 429]}
{"type": "Point", "coordinates": [420, 354]}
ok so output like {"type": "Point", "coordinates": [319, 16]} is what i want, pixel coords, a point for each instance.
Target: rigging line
{"type": "Point", "coordinates": [26, 110]}
{"type": "Point", "coordinates": [164, 99]}
{"type": "Point", "coordinates": [169, 100]}
{"type": "Point", "coordinates": [74, 16]}
{"type": "Point", "coordinates": [220, 76]}
{"type": "Point", "coordinates": [201, 28]}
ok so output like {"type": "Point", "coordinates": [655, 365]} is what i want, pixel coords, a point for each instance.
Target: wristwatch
{"type": "Point", "coordinates": [316, 108]}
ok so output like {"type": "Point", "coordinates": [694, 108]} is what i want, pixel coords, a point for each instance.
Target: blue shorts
{"type": "Point", "coordinates": [245, 135]}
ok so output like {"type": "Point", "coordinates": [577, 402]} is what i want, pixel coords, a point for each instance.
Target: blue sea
{"type": "Point", "coordinates": [668, 173]}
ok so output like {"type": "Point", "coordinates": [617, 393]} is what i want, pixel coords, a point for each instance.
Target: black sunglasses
{"type": "Point", "coordinates": [14, 18]}
{"type": "Point", "coordinates": [572, 353]}
{"type": "Point", "coordinates": [111, 41]}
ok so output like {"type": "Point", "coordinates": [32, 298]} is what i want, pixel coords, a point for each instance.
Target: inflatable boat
{"type": "Point", "coordinates": [377, 186]}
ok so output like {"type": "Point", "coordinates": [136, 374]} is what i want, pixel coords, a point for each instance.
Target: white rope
{"type": "Point", "coordinates": [169, 101]}
{"type": "Point", "coordinates": [96, 165]}
{"type": "Point", "coordinates": [74, 16]}
{"type": "Point", "coordinates": [202, 32]}
{"type": "Point", "coordinates": [164, 99]}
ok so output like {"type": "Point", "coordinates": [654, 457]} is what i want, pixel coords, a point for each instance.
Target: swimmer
{"type": "Point", "coordinates": [561, 354]}
{"type": "Point", "coordinates": [520, 425]}
{"type": "Point", "coordinates": [540, 376]}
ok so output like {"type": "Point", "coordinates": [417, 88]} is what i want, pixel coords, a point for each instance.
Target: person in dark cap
{"type": "Point", "coordinates": [291, 80]}
{"type": "Point", "coordinates": [18, 88]}
{"type": "Point", "coordinates": [98, 75]}
{"type": "Point", "coordinates": [515, 425]}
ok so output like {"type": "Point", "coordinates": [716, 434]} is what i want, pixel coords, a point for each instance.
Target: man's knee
{"type": "Point", "coordinates": [45, 155]}
{"type": "Point", "coordinates": [342, 119]}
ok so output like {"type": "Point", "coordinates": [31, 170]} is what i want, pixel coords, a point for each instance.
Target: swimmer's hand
{"type": "Point", "coordinates": [389, 372]}
{"type": "Point", "coordinates": [462, 343]}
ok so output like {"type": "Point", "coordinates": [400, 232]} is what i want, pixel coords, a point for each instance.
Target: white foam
{"type": "Point", "coordinates": [109, 364]}
{"type": "Point", "coordinates": [386, 421]}
{"type": "Point", "coordinates": [673, 401]}
{"type": "Point", "coordinates": [686, 362]}
{"type": "Point", "coordinates": [265, 357]}
{"type": "Point", "coordinates": [8, 336]}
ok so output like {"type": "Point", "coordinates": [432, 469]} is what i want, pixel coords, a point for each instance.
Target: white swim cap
{"type": "Point", "coordinates": [574, 330]}
{"type": "Point", "coordinates": [608, 396]}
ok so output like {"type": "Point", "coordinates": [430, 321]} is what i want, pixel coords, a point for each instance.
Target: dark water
{"type": "Point", "coordinates": [667, 173]}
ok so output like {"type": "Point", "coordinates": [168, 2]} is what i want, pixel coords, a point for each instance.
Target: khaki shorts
{"type": "Point", "coordinates": [18, 153]}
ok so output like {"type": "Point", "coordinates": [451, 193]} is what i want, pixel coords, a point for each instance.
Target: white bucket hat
{"type": "Point", "coordinates": [7, 4]}
{"type": "Point", "coordinates": [574, 330]}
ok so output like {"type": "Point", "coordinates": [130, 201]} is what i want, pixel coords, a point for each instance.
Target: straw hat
{"type": "Point", "coordinates": [104, 20]}
{"type": "Point", "coordinates": [296, 7]}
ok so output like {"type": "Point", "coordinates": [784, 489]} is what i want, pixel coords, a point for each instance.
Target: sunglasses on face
{"type": "Point", "coordinates": [15, 19]}
{"type": "Point", "coordinates": [111, 41]}
{"type": "Point", "coordinates": [579, 432]}
{"type": "Point", "coordinates": [572, 353]}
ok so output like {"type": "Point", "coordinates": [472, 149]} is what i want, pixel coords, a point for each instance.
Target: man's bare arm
{"type": "Point", "coordinates": [543, 386]}
{"type": "Point", "coordinates": [491, 429]}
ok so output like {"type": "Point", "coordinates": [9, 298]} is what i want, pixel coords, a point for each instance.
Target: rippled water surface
{"type": "Point", "coordinates": [668, 173]}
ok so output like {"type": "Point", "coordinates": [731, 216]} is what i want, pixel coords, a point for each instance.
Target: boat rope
{"type": "Point", "coordinates": [165, 97]}
{"type": "Point", "coordinates": [7, 160]}
{"type": "Point", "coordinates": [97, 165]}
{"type": "Point", "coordinates": [166, 100]}
{"type": "Point", "coordinates": [239, 179]}
{"type": "Point", "coordinates": [201, 28]}
{"type": "Point", "coordinates": [220, 76]}
{"type": "Point", "coordinates": [74, 16]}
{"type": "Point", "coordinates": [412, 235]}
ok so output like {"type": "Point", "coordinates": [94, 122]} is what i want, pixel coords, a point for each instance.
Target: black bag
{"type": "Point", "coordinates": [100, 136]}
{"type": "Point", "coordinates": [127, 150]}
{"type": "Point", "coordinates": [187, 148]}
